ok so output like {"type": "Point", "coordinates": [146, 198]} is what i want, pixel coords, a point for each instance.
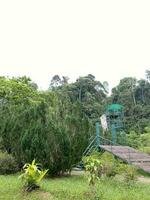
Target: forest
{"type": "Point", "coordinates": [54, 126]}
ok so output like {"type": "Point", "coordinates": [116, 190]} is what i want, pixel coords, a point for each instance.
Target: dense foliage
{"type": "Point", "coordinates": [140, 141]}
{"type": "Point", "coordinates": [134, 95]}
{"type": "Point", "coordinates": [106, 165]}
{"type": "Point", "coordinates": [46, 126]}
{"type": "Point", "coordinates": [90, 93]}
{"type": "Point", "coordinates": [8, 164]}
{"type": "Point", "coordinates": [54, 126]}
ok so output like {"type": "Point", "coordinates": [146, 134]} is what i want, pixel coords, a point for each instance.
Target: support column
{"type": "Point", "coordinates": [113, 133]}
{"type": "Point", "coordinates": [97, 133]}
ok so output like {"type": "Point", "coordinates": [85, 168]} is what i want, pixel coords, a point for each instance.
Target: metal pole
{"type": "Point", "coordinates": [97, 134]}
{"type": "Point", "coordinates": [113, 132]}
{"type": "Point", "coordinates": [129, 156]}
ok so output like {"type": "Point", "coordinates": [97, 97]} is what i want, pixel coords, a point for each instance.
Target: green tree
{"type": "Point", "coordinates": [134, 95]}
{"type": "Point", "coordinates": [91, 95]}
{"type": "Point", "coordinates": [46, 126]}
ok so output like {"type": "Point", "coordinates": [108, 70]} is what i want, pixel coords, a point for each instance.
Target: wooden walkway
{"type": "Point", "coordinates": [129, 155]}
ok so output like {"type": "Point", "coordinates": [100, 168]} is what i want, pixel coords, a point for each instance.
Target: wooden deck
{"type": "Point", "coordinates": [129, 155]}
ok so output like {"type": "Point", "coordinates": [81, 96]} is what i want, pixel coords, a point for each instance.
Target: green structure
{"type": "Point", "coordinates": [115, 127]}
{"type": "Point", "coordinates": [115, 121]}
{"type": "Point", "coordinates": [115, 115]}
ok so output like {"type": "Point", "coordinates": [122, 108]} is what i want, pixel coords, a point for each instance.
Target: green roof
{"type": "Point", "coordinates": [114, 107]}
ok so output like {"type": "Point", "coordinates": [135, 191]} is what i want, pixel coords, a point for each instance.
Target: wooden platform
{"type": "Point", "coordinates": [129, 155]}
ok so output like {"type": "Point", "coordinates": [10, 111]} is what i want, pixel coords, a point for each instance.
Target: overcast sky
{"type": "Point", "coordinates": [107, 38]}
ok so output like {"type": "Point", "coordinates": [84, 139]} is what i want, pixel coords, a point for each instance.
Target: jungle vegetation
{"type": "Point", "coordinates": [54, 126]}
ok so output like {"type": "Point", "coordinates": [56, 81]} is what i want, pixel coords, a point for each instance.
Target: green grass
{"type": "Point", "coordinates": [73, 188]}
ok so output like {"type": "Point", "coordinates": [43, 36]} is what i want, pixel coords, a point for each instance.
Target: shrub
{"type": "Point", "coordinates": [92, 165]}
{"type": "Point", "coordinates": [109, 165]}
{"type": "Point", "coordinates": [133, 139]}
{"type": "Point", "coordinates": [106, 165]}
{"type": "Point", "coordinates": [145, 139]}
{"type": "Point", "coordinates": [130, 174]}
{"type": "Point", "coordinates": [145, 150]}
{"type": "Point", "coordinates": [32, 175]}
{"type": "Point", "coordinates": [7, 163]}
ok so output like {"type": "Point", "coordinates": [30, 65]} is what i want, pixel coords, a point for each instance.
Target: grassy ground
{"type": "Point", "coordinates": [73, 188]}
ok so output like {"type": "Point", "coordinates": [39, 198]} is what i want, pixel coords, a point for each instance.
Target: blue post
{"type": "Point", "coordinates": [113, 132]}
{"type": "Point", "coordinates": [97, 133]}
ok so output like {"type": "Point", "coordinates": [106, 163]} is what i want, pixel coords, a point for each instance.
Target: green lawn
{"type": "Point", "coordinates": [73, 188]}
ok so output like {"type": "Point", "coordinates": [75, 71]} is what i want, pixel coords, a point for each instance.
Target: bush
{"type": "Point", "coordinates": [130, 174]}
{"type": "Point", "coordinates": [145, 150]}
{"type": "Point", "coordinates": [7, 163]}
{"type": "Point", "coordinates": [133, 139]}
{"type": "Point", "coordinates": [109, 165]}
{"type": "Point", "coordinates": [92, 165]}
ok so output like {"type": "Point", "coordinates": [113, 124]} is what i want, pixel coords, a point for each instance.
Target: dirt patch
{"type": "Point", "coordinates": [143, 179]}
{"type": "Point", "coordinates": [45, 195]}
{"type": "Point", "coordinates": [77, 172]}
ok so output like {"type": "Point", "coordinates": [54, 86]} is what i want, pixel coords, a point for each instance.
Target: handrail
{"type": "Point", "coordinates": [111, 145]}
{"type": "Point", "coordinates": [90, 145]}
{"type": "Point", "coordinates": [109, 141]}
{"type": "Point", "coordinates": [104, 140]}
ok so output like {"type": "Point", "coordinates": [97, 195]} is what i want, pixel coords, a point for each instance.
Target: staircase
{"type": "Point", "coordinates": [129, 155]}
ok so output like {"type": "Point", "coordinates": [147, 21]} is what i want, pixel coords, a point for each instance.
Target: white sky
{"type": "Point", "coordinates": [107, 38]}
